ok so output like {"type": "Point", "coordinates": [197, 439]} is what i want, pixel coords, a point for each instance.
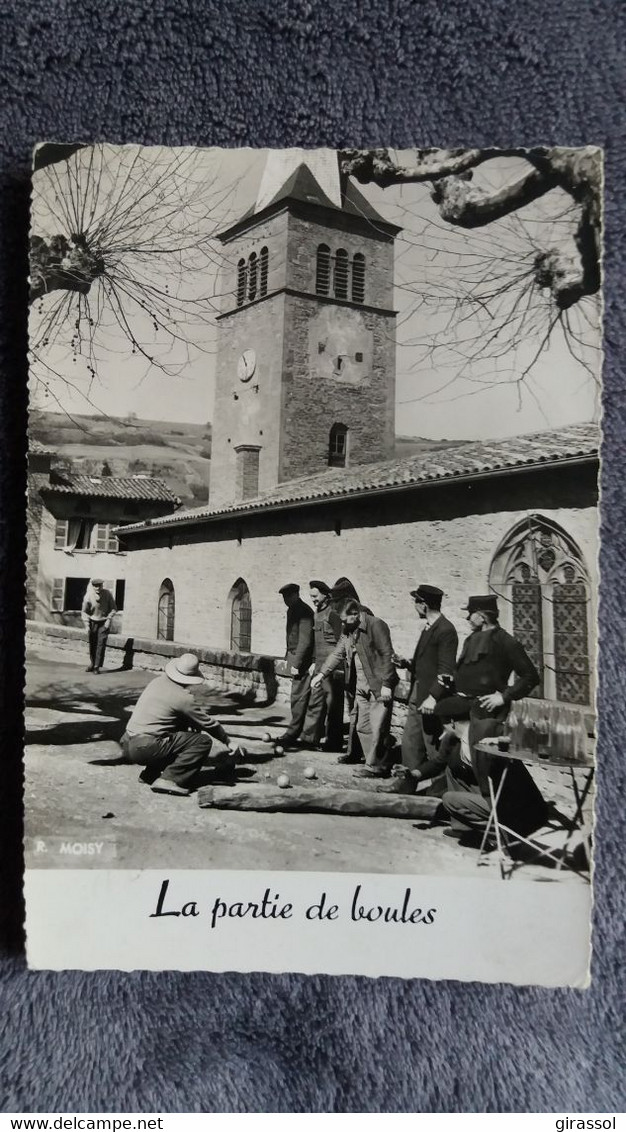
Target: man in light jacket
{"type": "Point", "coordinates": [366, 653]}
{"type": "Point", "coordinates": [171, 735]}
{"type": "Point", "coordinates": [97, 612]}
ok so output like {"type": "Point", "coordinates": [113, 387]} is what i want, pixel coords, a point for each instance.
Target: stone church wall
{"type": "Point", "coordinates": [384, 546]}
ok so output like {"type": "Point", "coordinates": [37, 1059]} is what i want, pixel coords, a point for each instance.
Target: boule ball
{"type": "Point", "coordinates": [283, 781]}
{"type": "Point", "coordinates": [278, 750]}
{"type": "Point", "coordinates": [309, 772]}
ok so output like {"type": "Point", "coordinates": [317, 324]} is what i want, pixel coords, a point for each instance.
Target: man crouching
{"type": "Point", "coordinates": [169, 733]}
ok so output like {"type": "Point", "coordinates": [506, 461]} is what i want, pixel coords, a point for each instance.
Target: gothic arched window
{"type": "Point", "coordinates": [338, 446]}
{"type": "Point", "coordinates": [263, 265]}
{"type": "Point", "coordinates": [340, 282]}
{"type": "Point", "coordinates": [252, 276]}
{"type": "Point", "coordinates": [322, 270]}
{"type": "Point", "coordinates": [240, 617]}
{"type": "Point", "coordinates": [166, 611]}
{"type": "Point", "coordinates": [241, 282]}
{"type": "Point", "coordinates": [358, 278]}
{"type": "Point", "coordinates": [540, 574]}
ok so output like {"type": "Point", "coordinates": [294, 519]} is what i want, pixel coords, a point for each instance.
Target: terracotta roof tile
{"type": "Point", "coordinates": [113, 487]}
{"type": "Point", "coordinates": [467, 459]}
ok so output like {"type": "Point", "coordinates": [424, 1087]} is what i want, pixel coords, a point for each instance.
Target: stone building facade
{"type": "Point", "coordinates": [306, 361]}
{"type": "Point", "coordinates": [71, 523]}
{"type": "Point", "coordinates": [514, 517]}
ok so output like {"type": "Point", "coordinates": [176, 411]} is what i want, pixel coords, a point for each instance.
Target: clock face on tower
{"type": "Point", "coordinates": [246, 365]}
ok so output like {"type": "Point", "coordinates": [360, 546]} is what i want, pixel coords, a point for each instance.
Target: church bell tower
{"type": "Point", "coordinates": [305, 375]}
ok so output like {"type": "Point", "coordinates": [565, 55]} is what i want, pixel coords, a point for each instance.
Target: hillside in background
{"type": "Point", "coordinates": [177, 452]}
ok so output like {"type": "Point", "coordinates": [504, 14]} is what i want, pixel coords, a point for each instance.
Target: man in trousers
{"type": "Point", "coordinates": [171, 735]}
{"type": "Point", "coordinates": [365, 652]}
{"type": "Point", "coordinates": [97, 613]}
{"type": "Point", "coordinates": [483, 696]}
{"type": "Point", "coordinates": [299, 657]}
{"type": "Point", "coordinates": [431, 671]}
{"type": "Point", "coordinates": [323, 725]}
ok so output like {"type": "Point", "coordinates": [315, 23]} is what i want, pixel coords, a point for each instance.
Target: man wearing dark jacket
{"type": "Point", "coordinates": [490, 656]}
{"type": "Point", "coordinates": [299, 657]}
{"type": "Point", "coordinates": [324, 717]}
{"type": "Point", "coordinates": [431, 668]}
{"type": "Point", "coordinates": [366, 653]}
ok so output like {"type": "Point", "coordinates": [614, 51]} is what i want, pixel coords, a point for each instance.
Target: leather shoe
{"type": "Point", "coordinates": [166, 786]}
{"type": "Point", "coordinates": [350, 759]}
{"type": "Point", "coordinates": [372, 772]}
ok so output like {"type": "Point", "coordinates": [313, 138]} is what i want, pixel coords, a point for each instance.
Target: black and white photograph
{"type": "Point", "coordinates": [312, 558]}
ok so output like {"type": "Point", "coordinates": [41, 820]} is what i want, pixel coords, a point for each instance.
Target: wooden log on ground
{"type": "Point", "coordinates": [320, 800]}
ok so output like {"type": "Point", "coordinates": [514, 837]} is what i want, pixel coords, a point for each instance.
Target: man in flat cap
{"type": "Point", "coordinates": [488, 660]}
{"type": "Point", "coordinates": [97, 612]}
{"type": "Point", "coordinates": [299, 657]}
{"type": "Point", "coordinates": [324, 718]}
{"type": "Point", "coordinates": [431, 673]}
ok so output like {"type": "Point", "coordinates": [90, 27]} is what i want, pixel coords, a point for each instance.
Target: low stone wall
{"type": "Point", "coordinates": [261, 678]}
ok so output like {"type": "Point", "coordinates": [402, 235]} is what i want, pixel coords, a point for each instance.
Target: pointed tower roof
{"type": "Point", "coordinates": [282, 164]}
{"type": "Point", "coordinates": [314, 181]}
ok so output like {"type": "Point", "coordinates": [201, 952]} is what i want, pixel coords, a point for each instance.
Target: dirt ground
{"type": "Point", "coordinates": [78, 792]}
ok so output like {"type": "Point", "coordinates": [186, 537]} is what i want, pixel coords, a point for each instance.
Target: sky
{"type": "Point", "coordinates": [468, 326]}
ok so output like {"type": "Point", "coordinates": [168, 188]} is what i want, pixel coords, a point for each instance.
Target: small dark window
{"type": "Point", "coordinates": [120, 590]}
{"type": "Point", "coordinates": [252, 276]}
{"type": "Point", "coordinates": [263, 264]}
{"type": "Point", "coordinates": [166, 611]}
{"type": "Point", "coordinates": [75, 589]}
{"type": "Point", "coordinates": [358, 278]}
{"type": "Point", "coordinates": [338, 446]}
{"type": "Point", "coordinates": [240, 617]}
{"type": "Point", "coordinates": [322, 274]}
{"type": "Point", "coordinates": [241, 282]}
{"type": "Point", "coordinates": [358, 357]}
{"type": "Point", "coordinates": [341, 274]}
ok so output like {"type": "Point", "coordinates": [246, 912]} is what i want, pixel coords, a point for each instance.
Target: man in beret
{"type": "Point", "coordinates": [488, 660]}
{"type": "Point", "coordinates": [299, 657]}
{"type": "Point", "coordinates": [431, 671]}
{"type": "Point", "coordinates": [324, 718]}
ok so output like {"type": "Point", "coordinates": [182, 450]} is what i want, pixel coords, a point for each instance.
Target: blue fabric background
{"type": "Point", "coordinates": [278, 73]}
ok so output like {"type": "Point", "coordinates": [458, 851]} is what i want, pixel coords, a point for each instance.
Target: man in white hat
{"type": "Point", "coordinates": [169, 733]}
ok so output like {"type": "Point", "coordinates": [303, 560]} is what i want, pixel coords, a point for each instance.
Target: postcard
{"type": "Point", "coordinates": [312, 559]}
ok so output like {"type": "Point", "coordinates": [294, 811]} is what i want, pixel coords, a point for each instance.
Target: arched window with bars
{"type": "Point", "coordinates": [241, 282]}
{"type": "Point", "coordinates": [338, 446]}
{"type": "Point", "coordinates": [540, 575]}
{"type": "Point", "coordinates": [358, 278]}
{"type": "Point", "coordinates": [340, 280]}
{"type": "Point", "coordinates": [166, 611]}
{"type": "Point", "coordinates": [240, 617]}
{"type": "Point", "coordinates": [263, 267]}
{"type": "Point", "coordinates": [253, 264]}
{"type": "Point", "coordinates": [322, 270]}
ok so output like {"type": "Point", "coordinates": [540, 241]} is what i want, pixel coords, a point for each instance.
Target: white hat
{"type": "Point", "coordinates": [184, 669]}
